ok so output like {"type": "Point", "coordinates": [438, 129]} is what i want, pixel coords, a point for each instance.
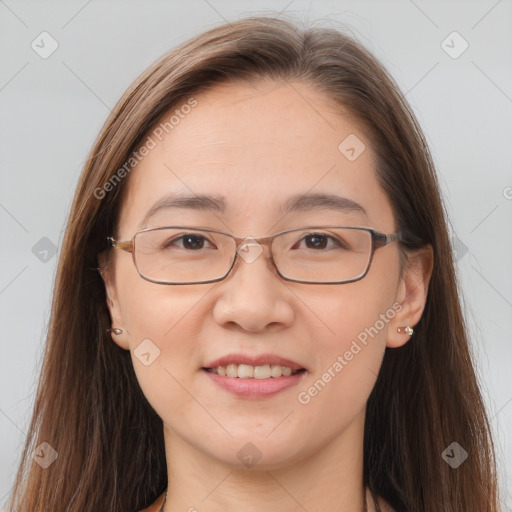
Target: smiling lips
{"type": "Point", "coordinates": [247, 371]}
{"type": "Point", "coordinates": [254, 377]}
{"type": "Point", "coordinates": [263, 366]}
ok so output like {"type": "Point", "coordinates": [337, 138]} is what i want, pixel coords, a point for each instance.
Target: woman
{"type": "Point", "coordinates": [275, 320]}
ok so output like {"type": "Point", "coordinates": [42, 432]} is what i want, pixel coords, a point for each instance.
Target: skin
{"type": "Point", "coordinates": [256, 146]}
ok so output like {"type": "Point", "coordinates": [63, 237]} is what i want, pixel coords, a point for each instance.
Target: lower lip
{"type": "Point", "coordinates": [255, 388]}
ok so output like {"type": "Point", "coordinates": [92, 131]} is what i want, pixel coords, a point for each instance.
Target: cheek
{"type": "Point", "coordinates": [166, 330]}
{"type": "Point", "coordinates": [152, 310]}
{"type": "Point", "coordinates": [349, 353]}
{"type": "Point", "coordinates": [352, 345]}
{"type": "Point", "coordinates": [359, 311]}
{"type": "Point", "coordinates": [348, 365]}
{"type": "Point", "coordinates": [163, 324]}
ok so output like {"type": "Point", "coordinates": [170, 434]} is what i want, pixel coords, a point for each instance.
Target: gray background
{"type": "Point", "coordinates": [52, 109]}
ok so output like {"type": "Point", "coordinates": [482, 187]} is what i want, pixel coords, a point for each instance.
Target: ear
{"type": "Point", "coordinates": [106, 267]}
{"type": "Point", "coordinates": [411, 294]}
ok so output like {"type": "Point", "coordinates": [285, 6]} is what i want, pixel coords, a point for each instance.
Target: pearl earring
{"type": "Point", "coordinates": [408, 330]}
{"type": "Point", "coordinates": [115, 330]}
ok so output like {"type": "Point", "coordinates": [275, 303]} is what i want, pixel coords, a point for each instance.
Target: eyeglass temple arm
{"type": "Point", "coordinates": [117, 244]}
{"type": "Point", "coordinates": [382, 239]}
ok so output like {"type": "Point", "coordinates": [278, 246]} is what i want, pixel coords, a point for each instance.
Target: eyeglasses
{"type": "Point", "coordinates": [310, 254]}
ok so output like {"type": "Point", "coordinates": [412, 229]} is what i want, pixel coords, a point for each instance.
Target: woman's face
{"type": "Point", "coordinates": [255, 147]}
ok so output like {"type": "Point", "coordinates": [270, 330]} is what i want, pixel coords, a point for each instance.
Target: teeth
{"type": "Point", "coordinates": [276, 370]}
{"type": "Point", "coordinates": [262, 372]}
{"type": "Point", "coordinates": [286, 371]}
{"type": "Point", "coordinates": [231, 370]}
{"type": "Point", "coordinates": [247, 371]}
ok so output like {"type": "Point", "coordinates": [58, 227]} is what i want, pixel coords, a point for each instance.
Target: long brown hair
{"type": "Point", "coordinates": [89, 406]}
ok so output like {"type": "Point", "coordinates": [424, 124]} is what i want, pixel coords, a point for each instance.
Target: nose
{"type": "Point", "coordinates": [253, 297]}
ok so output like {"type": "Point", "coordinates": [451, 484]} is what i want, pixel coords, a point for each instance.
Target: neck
{"type": "Point", "coordinates": [329, 478]}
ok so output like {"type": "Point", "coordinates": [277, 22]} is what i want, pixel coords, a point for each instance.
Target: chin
{"type": "Point", "coordinates": [261, 453]}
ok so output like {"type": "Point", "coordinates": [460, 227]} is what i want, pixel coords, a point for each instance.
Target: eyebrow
{"type": "Point", "coordinates": [296, 203]}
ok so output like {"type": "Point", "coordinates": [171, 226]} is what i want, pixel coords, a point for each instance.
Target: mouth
{"type": "Point", "coordinates": [248, 371]}
{"type": "Point", "coordinates": [254, 377]}
{"type": "Point", "coordinates": [264, 366]}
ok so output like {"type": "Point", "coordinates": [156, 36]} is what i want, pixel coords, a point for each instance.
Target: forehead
{"type": "Point", "coordinates": [256, 146]}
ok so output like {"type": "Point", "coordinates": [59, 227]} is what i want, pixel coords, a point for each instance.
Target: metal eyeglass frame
{"type": "Point", "coordinates": [378, 240]}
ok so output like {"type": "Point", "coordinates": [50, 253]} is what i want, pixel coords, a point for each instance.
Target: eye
{"type": "Point", "coordinates": [189, 241]}
{"type": "Point", "coordinates": [321, 241]}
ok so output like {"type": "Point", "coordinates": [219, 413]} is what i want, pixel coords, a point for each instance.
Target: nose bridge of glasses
{"type": "Point", "coordinates": [263, 242]}
{"type": "Point", "coordinates": [257, 246]}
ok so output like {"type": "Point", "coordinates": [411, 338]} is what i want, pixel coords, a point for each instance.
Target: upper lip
{"type": "Point", "coordinates": [258, 360]}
